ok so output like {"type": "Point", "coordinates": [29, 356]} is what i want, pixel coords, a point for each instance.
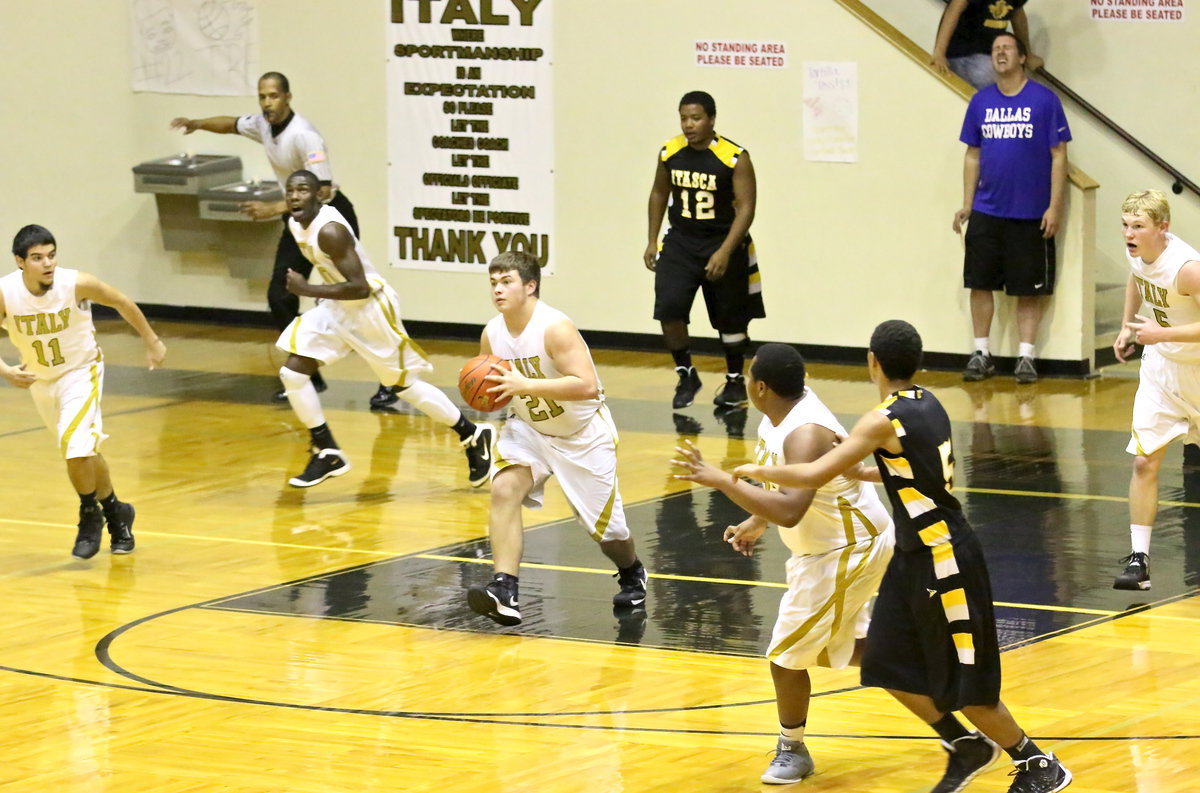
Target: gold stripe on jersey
{"type": "Point", "coordinates": [849, 513]}
{"type": "Point", "coordinates": [94, 396]}
{"type": "Point", "coordinates": [944, 563]}
{"type": "Point", "coordinates": [605, 516]}
{"type": "Point", "coordinates": [898, 427]}
{"type": "Point", "coordinates": [898, 466]}
{"type": "Point", "coordinates": [295, 331]}
{"type": "Point", "coordinates": [964, 643]}
{"type": "Point", "coordinates": [955, 604]}
{"type": "Point", "coordinates": [726, 150]}
{"type": "Point", "coordinates": [1137, 441]}
{"type": "Point", "coordinates": [915, 503]}
{"type": "Point", "coordinates": [936, 534]}
{"type": "Point", "coordinates": [672, 147]}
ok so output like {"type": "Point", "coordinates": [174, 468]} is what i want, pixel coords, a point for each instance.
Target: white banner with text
{"type": "Point", "coordinates": [470, 133]}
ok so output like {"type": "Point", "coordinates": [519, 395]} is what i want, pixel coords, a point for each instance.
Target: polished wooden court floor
{"type": "Point", "coordinates": [268, 639]}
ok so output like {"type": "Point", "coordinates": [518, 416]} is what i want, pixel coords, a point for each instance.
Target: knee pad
{"type": "Point", "coordinates": [292, 380]}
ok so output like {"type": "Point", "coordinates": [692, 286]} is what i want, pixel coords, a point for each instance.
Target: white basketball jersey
{"type": "Point", "coordinates": [306, 240]}
{"type": "Point", "coordinates": [53, 332]}
{"type": "Point", "coordinates": [527, 354]}
{"type": "Point", "coordinates": [844, 511]}
{"type": "Point", "coordinates": [1169, 308]}
{"type": "Point", "coordinates": [298, 147]}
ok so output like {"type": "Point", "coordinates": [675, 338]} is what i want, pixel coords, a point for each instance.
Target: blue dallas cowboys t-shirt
{"type": "Point", "coordinates": [1014, 135]}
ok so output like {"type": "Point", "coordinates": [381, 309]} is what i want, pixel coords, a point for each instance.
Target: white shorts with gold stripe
{"type": "Point", "coordinates": [1167, 404]}
{"type": "Point", "coordinates": [827, 604]}
{"type": "Point", "coordinates": [70, 408]}
{"type": "Point", "coordinates": [371, 327]}
{"type": "Point", "coordinates": [585, 464]}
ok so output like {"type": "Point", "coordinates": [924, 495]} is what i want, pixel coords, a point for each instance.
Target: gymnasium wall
{"type": "Point", "coordinates": [1139, 74]}
{"type": "Point", "coordinates": [842, 246]}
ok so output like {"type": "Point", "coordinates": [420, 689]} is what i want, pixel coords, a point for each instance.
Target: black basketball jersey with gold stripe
{"type": "Point", "coordinates": [919, 479]}
{"type": "Point", "coordinates": [701, 185]}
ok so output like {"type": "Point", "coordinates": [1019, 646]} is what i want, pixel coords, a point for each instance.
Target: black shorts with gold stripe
{"type": "Point", "coordinates": [933, 629]}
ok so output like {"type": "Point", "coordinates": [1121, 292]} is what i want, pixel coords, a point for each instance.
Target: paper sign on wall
{"type": "Point", "coordinates": [1137, 10]}
{"type": "Point", "coordinates": [830, 111]}
{"type": "Point", "coordinates": [740, 54]}
{"type": "Point", "coordinates": [195, 46]}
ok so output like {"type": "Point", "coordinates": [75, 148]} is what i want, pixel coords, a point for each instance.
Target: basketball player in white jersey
{"type": "Point", "coordinates": [1165, 279]}
{"type": "Point", "coordinates": [558, 425]}
{"type": "Point", "coordinates": [831, 575]}
{"type": "Point", "coordinates": [356, 311]}
{"type": "Point", "coordinates": [47, 311]}
{"type": "Point", "coordinates": [291, 143]}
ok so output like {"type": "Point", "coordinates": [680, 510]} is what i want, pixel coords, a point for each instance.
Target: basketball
{"type": "Point", "coordinates": [474, 388]}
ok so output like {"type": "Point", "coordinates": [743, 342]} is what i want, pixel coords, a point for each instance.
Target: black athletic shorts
{"type": "Point", "coordinates": [1008, 254]}
{"type": "Point", "coordinates": [934, 636]}
{"type": "Point", "coordinates": [732, 301]}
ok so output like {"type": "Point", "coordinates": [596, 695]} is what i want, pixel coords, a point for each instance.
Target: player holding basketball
{"type": "Point", "coordinates": [932, 642]}
{"type": "Point", "coordinates": [47, 312]}
{"type": "Point", "coordinates": [356, 311]}
{"type": "Point", "coordinates": [557, 425]}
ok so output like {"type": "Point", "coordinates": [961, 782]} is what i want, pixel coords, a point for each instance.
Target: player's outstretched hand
{"type": "Point", "coordinates": [688, 459]}
{"type": "Point", "coordinates": [188, 125]}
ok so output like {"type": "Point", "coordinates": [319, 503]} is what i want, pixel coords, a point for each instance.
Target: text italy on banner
{"type": "Point", "coordinates": [470, 132]}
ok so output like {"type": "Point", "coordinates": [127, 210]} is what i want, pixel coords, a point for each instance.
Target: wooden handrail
{"type": "Point", "coordinates": [1180, 182]}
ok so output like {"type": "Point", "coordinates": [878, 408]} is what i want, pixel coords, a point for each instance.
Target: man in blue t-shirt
{"type": "Point", "coordinates": [1014, 179]}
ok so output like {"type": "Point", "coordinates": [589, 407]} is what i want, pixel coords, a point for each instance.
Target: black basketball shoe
{"type": "Point", "coordinates": [497, 600]}
{"type": "Point", "coordinates": [970, 756]}
{"type": "Point", "coordinates": [633, 586]}
{"type": "Point", "coordinates": [1136, 575]}
{"type": "Point", "coordinates": [120, 531]}
{"type": "Point", "coordinates": [91, 526]}
{"type": "Point", "coordinates": [323, 464]}
{"type": "Point", "coordinates": [1042, 773]}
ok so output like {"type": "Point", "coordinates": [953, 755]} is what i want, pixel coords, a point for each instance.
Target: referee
{"type": "Point", "coordinates": [292, 143]}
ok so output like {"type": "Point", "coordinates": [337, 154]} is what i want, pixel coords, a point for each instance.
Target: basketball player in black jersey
{"type": "Point", "coordinates": [710, 183]}
{"type": "Point", "coordinates": [932, 642]}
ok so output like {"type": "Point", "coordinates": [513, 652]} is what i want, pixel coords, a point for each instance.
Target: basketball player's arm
{"type": "Point", "coordinates": [14, 374]}
{"type": "Point", "coordinates": [222, 125]}
{"type": "Point", "coordinates": [485, 344]}
{"type": "Point", "coordinates": [970, 182]}
{"type": "Point", "coordinates": [873, 431]}
{"type": "Point", "coordinates": [785, 506]}
{"type": "Point", "coordinates": [1146, 330]}
{"type": "Point", "coordinates": [1058, 190]}
{"type": "Point", "coordinates": [745, 198]}
{"type": "Point", "coordinates": [570, 356]}
{"type": "Point", "coordinates": [950, 17]}
{"type": "Point", "coordinates": [1126, 337]}
{"type": "Point", "coordinates": [336, 241]}
{"type": "Point", "coordinates": [659, 194]}
{"type": "Point", "coordinates": [89, 287]}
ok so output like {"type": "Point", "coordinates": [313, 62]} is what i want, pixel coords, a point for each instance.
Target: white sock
{"type": "Point", "coordinates": [432, 402]}
{"type": "Point", "coordinates": [793, 734]}
{"type": "Point", "coordinates": [302, 396]}
{"type": "Point", "coordinates": [983, 345]}
{"type": "Point", "coordinates": [1139, 537]}
{"type": "Point", "coordinates": [1026, 350]}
